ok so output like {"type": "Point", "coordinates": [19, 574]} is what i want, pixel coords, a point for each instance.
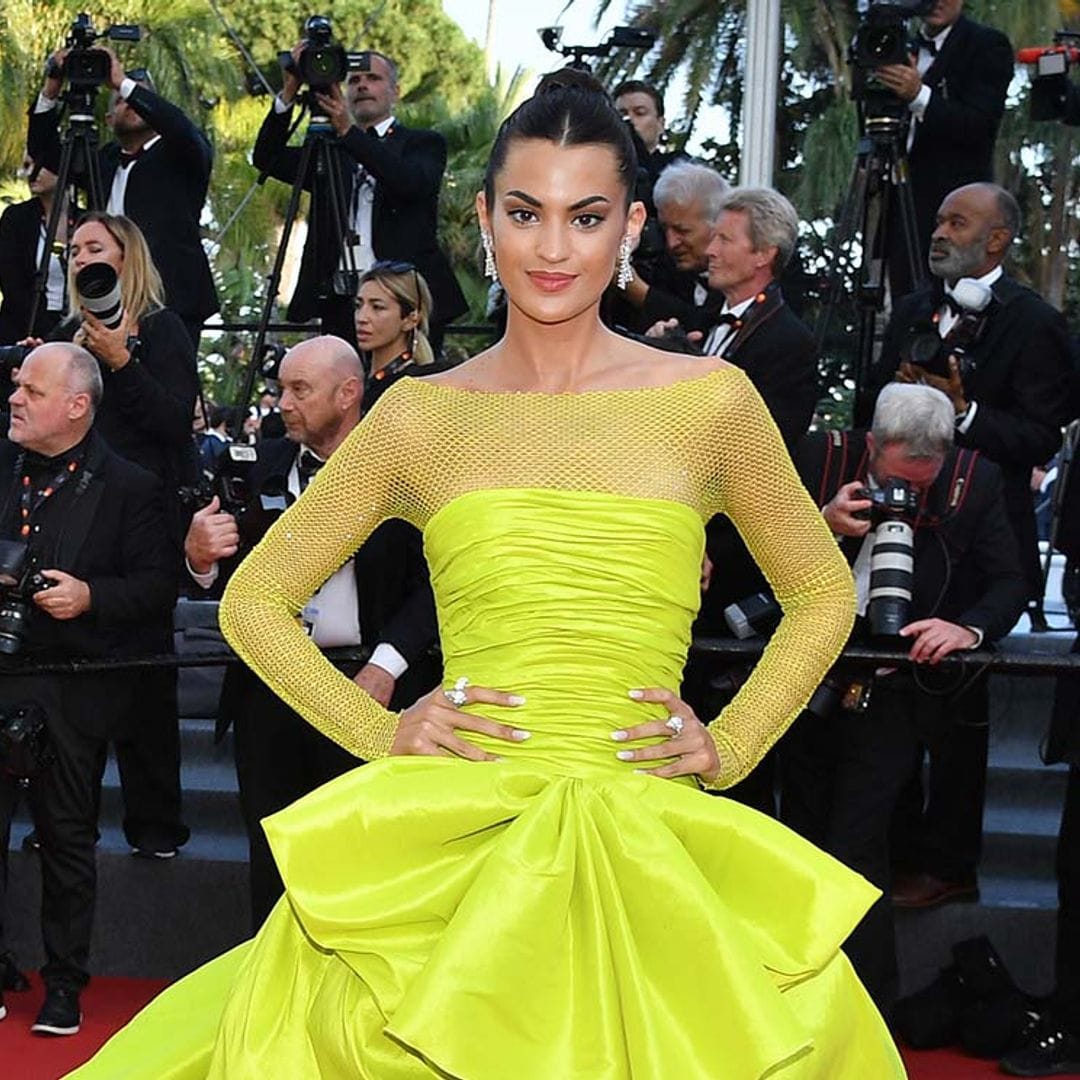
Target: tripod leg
{"type": "Point", "coordinates": [41, 274]}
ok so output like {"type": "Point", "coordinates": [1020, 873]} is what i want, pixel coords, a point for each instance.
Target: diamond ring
{"type": "Point", "coordinates": [457, 697]}
{"type": "Point", "coordinates": [676, 724]}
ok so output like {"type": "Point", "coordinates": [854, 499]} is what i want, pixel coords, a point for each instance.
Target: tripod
{"type": "Point", "coordinates": [80, 167]}
{"type": "Point", "coordinates": [878, 193]}
{"type": "Point", "coordinates": [319, 170]}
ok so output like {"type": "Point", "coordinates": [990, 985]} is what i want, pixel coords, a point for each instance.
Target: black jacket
{"type": "Point", "coordinates": [145, 413]}
{"type": "Point", "coordinates": [393, 591]}
{"type": "Point", "coordinates": [20, 231]}
{"type": "Point", "coordinates": [954, 142]}
{"type": "Point", "coordinates": [164, 197]}
{"type": "Point", "coordinates": [407, 165]}
{"type": "Point", "coordinates": [779, 354]}
{"type": "Point", "coordinates": [1021, 378]}
{"type": "Point", "coordinates": [966, 565]}
{"type": "Point", "coordinates": [110, 534]}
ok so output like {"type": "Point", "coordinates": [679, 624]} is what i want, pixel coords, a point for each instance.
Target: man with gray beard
{"type": "Point", "coordinates": [1010, 392]}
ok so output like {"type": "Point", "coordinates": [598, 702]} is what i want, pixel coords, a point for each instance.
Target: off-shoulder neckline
{"type": "Point", "coordinates": [612, 392]}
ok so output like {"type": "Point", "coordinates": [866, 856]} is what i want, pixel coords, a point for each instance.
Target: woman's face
{"type": "Point", "coordinates": [557, 221]}
{"type": "Point", "coordinates": [379, 322]}
{"type": "Point", "coordinates": [93, 243]}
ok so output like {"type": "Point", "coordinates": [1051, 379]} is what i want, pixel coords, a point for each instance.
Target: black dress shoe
{"type": "Point", "coordinates": [1052, 1050]}
{"type": "Point", "coordinates": [60, 1014]}
{"type": "Point", "coordinates": [11, 978]}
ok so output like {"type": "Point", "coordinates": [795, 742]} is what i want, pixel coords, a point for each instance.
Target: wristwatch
{"type": "Point", "coordinates": [133, 346]}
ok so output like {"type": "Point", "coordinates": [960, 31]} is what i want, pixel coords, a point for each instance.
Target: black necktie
{"type": "Point", "coordinates": [373, 133]}
{"type": "Point", "coordinates": [307, 467]}
{"type": "Point", "coordinates": [127, 157]}
{"type": "Point", "coordinates": [929, 44]}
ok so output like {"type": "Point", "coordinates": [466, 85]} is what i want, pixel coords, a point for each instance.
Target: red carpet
{"type": "Point", "coordinates": [108, 1003]}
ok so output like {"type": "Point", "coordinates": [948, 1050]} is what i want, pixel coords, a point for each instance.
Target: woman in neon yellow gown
{"type": "Point", "coordinates": [526, 883]}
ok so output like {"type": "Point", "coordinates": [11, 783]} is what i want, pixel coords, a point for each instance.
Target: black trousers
{"type": "Point", "coordinates": [280, 757]}
{"type": "Point", "coordinates": [64, 803]}
{"type": "Point", "coordinates": [840, 780]}
{"type": "Point", "coordinates": [939, 830]}
{"type": "Point", "coordinates": [149, 764]}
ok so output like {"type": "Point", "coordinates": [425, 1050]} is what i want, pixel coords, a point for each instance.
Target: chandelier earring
{"type": "Point", "coordinates": [624, 272]}
{"type": "Point", "coordinates": [490, 270]}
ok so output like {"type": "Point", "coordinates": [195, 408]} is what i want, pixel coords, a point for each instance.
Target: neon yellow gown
{"type": "Point", "coordinates": [554, 914]}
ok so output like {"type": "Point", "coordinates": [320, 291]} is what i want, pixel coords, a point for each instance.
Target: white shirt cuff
{"type": "Point", "coordinates": [45, 104]}
{"type": "Point", "coordinates": [964, 422]}
{"type": "Point", "coordinates": [204, 581]}
{"type": "Point", "coordinates": [979, 636]}
{"type": "Point", "coordinates": [127, 86]}
{"type": "Point", "coordinates": [919, 104]}
{"type": "Point", "coordinates": [389, 659]}
{"type": "Point", "coordinates": [281, 105]}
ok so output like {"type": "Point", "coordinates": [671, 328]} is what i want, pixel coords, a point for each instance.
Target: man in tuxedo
{"type": "Point", "coordinates": [381, 597]}
{"type": "Point", "coordinates": [390, 175]}
{"type": "Point", "coordinates": [156, 172]}
{"type": "Point", "coordinates": [754, 237]}
{"type": "Point", "coordinates": [688, 198]}
{"type": "Point", "coordinates": [954, 87]}
{"type": "Point", "coordinates": [843, 770]}
{"type": "Point", "coordinates": [93, 526]}
{"type": "Point", "coordinates": [642, 105]}
{"type": "Point", "coordinates": [1010, 394]}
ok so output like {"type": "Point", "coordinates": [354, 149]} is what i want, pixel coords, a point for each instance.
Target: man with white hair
{"type": "Point", "coordinates": [844, 765]}
{"type": "Point", "coordinates": [89, 560]}
{"type": "Point", "coordinates": [688, 196]}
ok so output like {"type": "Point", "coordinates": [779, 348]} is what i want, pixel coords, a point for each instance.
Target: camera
{"type": "Point", "coordinates": [19, 582]}
{"type": "Point", "coordinates": [930, 351]}
{"type": "Point", "coordinates": [635, 38]}
{"type": "Point", "coordinates": [882, 36]}
{"type": "Point", "coordinates": [12, 356]}
{"type": "Point", "coordinates": [1050, 87]}
{"type": "Point", "coordinates": [25, 750]}
{"type": "Point", "coordinates": [87, 68]}
{"type": "Point", "coordinates": [322, 61]}
{"type": "Point", "coordinates": [99, 289]}
{"type": "Point", "coordinates": [231, 483]}
{"type": "Point", "coordinates": [752, 616]}
{"type": "Point", "coordinates": [894, 507]}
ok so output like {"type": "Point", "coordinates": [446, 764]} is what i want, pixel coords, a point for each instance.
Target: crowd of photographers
{"type": "Point", "coordinates": [112, 500]}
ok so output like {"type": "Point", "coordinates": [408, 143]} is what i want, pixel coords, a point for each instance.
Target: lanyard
{"type": "Point", "coordinates": [30, 501]}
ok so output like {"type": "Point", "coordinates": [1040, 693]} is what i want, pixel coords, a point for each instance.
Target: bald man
{"type": "Point", "coordinates": [1010, 395]}
{"type": "Point", "coordinates": [93, 527]}
{"type": "Point", "coordinates": [380, 599]}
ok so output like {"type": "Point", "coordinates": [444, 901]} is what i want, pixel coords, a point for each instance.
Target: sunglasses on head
{"type": "Point", "coordinates": [391, 266]}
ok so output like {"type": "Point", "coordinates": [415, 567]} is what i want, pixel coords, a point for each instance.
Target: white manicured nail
{"type": "Point", "coordinates": [625, 755]}
{"type": "Point", "coordinates": [637, 695]}
{"type": "Point", "coordinates": [520, 736]}
{"type": "Point", "coordinates": [515, 699]}
{"type": "Point", "coordinates": [619, 736]}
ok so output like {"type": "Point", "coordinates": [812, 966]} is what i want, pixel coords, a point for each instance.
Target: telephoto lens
{"type": "Point", "coordinates": [892, 576]}
{"type": "Point", "coordinates": [99, 287]}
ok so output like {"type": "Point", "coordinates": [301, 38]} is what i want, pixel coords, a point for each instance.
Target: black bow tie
{"type": "Point", "coordinates": [127, 157]}
{"type": "Point", "coordinates": [728, 318]}
{"type": "Point", "coordinates": [373, 133]}
{"type": "Point", "coordinates": [307, 467]}
{"type": "Point", "coordinates": [949, 301]}
{"type": "Point", "coordinates": [929, 44]}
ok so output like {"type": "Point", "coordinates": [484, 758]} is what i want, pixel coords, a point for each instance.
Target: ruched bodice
{"type": "Point", "coordinates": [570, 599]}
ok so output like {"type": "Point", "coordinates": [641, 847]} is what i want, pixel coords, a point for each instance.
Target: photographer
{"type": "Point", "coordinates": [391, 174]}
{"type": "Point", "coordinates": [643, 105]}
{"type": "Point", "coordinates": [156, 173]}
{"type": "Point", "coordinates": [842, 769]}
{"type": "Point", "coordinates": [93, 527]}
{"type": "Point", "coordinates": [150, 385]}
{"type": "Point", "coordinates": [954, 87]}
{"type": "Point", "coordinates": [380, 597]}
{"type": "Point", "coordinates": [22, 242]}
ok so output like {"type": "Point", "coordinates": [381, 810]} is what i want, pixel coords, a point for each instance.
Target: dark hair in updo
{"type": "Point", "coordinates": [569, 108]}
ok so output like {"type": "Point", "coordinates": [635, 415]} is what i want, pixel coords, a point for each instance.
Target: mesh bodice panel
{"type": "Point", "coordinates": [707, 443]}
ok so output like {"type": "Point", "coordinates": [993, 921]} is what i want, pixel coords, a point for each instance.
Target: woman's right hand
{"type": "Point", "coordinates": [429, 727]}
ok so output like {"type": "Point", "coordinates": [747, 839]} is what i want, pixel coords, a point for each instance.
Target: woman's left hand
{"type": "Point", "coordinates": [686, 739]}
{"type": "Point", "coordinates": [109, 346]}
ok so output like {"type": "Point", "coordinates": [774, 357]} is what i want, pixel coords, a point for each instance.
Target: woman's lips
{"type": "Point", "coordinates": [551, 282]}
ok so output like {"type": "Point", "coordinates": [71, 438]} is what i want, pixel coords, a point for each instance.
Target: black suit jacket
{"type": "Point", "coordinates": [20, 231]}
{"type": "Point", "coordinates": [1021, 379]}
{"type": "Point", "coordinates": [779, 354]}
{"type": "Point", "coordinates": [393, 591]}
{"type": "Point", "coordinates": [112, 535]}
{"type": "Point", "coordinates": [954, 142]}
{"type": "Point", "coordinates": [164, 197]}
{"type": "Point", "coordinates": [966, 565]}
{"type": "Point", "coordinates": [407, 165]}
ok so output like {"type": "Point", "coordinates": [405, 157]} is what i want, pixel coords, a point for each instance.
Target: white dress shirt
{"type": "Point", "coordinates": [921, 102]}
{"type": "Point", "coordinates": [721, 336]}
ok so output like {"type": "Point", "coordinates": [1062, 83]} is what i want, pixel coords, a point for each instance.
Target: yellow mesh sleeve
{"type": "Point", "coordinates": [359, 487]}
{"type": "Point", "coordinates": [758, 488]}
